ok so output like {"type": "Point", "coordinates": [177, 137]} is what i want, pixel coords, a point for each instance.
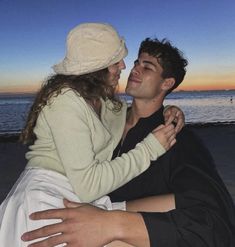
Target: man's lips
{"type": "Point", "coordinates": [134, 79]}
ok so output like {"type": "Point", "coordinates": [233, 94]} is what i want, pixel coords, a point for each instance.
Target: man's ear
{"type": "Point", "coordinates": [168, 83]}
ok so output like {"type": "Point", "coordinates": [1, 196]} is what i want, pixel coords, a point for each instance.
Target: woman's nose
{"type": "Point", "coordinates": [122, 64]}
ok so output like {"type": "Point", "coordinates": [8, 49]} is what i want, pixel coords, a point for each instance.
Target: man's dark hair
{"type": "Point", "coordinates": [169, 57]}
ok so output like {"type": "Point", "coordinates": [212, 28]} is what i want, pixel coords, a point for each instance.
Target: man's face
{"type": "Point", "coordinates": [115, 72]}
{"type": "Point", "coordinates": [145, 79]}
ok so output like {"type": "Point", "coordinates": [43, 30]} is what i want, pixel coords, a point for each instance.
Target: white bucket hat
{"type": "Point", "coordinates": [91, 47]}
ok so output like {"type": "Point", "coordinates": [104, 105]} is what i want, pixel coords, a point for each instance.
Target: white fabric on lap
{"type": "Point", "coordinates": [35, 190]}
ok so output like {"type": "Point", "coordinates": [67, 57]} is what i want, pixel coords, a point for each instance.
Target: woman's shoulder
{"type": "Point", "coordinates": [69, 92]}
{"type": "Point", "coordinates": [66, 95]}
{"type": "Point", "coordinates": [109, 105]}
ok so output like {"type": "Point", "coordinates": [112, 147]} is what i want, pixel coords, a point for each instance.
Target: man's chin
{"type": "Point", "coordinates": [130, 92]}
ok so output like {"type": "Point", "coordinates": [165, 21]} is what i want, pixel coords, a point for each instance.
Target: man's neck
{"type": "Point", "coordinates": [142, 108]}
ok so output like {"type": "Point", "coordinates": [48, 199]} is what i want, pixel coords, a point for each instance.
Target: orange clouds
{"type": "Point", "coordinates": [18, 89]}
{"type": "Point", "coordinates": [192, 82]}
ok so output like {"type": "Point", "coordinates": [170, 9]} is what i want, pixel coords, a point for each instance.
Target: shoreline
{"type": "Point", "coordinates": [219, 138]}
{"type": "Point", "coordinates": [12, 136]}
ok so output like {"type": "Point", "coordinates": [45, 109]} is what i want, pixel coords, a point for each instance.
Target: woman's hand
{"type": "Point", "coordinates": [174, 114]}
{"type": "Point", "coordinates": [165, 135]}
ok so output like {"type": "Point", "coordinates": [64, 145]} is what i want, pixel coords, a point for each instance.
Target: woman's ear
{"type": "Point", "coordinates": [168, 83]}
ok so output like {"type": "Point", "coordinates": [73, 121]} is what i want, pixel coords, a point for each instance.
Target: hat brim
{"type": "Point", "coordinates": [85, 68]}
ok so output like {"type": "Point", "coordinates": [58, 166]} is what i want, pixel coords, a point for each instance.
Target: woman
{"type": "Point", "coordinates": [74, 125]}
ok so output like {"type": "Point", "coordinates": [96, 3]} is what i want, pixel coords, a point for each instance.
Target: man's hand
{"type": "Point", "coordinates": [89, 226]}
{"type": "Point", "coordinates": [82, 225]}
{"type": "Point", "coordinates": [174, 114]}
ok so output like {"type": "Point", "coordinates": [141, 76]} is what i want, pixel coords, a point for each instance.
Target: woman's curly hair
{"type": "Point", "coordinates": [91, 87]}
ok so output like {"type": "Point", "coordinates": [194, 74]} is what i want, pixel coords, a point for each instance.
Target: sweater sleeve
{"type": "Point", "coordinates": [92, 178]}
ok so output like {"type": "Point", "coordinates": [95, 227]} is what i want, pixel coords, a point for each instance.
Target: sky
{"type": "Point", "coordinates": [33, 35]}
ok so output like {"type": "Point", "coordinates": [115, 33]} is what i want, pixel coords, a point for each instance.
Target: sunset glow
{"type": "Point", "coordinates": [202, 82]}
{"type": "Point", "coordinates": [32, 44]}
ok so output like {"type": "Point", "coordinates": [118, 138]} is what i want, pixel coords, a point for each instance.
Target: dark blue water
{"type": "Point", "coordinates": [13, 112]}
{"type": "Point", "coordinates": [198, 106]}
{"type": "Point", "coordinates": [203, 106]}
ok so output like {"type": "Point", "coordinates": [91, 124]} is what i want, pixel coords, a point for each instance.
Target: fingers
{"type": "Point", "coordinates": [166, 135]}
{"type": "Point", "coordinates": [171, 137]}
{"type": "Point", "coordinates": [169, 130]}
{"type": "Point", "coordinates": [161, 126]}
{"type": "Point", "coordinates": [43, 232]}
{"type": "Point", "coordinates": [69, 204]}
{"type": "Point", "coordinates": [164, 128]}
{"type": "Point", "coordinates": [51, 241]}
{"type": "Point", "coordinates": [50, 214]}
{"type": "Point", "coordinates": [172, 142]}
{"type": "Point", "coordinates": [169, 119]}
{"type": "Point", "coordinates": [180, 121]}
{"type": "Point", "coordinates": [170, 134]}
{"type": "Point", "coordinates": [169, 114]}
{"type": "Point", "coordinates": [173, 114]}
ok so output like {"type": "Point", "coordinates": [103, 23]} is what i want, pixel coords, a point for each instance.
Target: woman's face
{"type": "Point", "coordinates": [114, 72]}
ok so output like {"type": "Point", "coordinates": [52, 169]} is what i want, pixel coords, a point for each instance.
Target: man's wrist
{"type": "Point", "coordinates": [114, 225]}
{"type": "Point", "coordinates": [128, 227]}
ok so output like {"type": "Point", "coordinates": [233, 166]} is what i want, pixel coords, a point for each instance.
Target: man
{"type": "Point", "coordinates": [196, 208]}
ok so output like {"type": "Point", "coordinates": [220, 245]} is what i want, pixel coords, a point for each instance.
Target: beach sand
{"type": "Point", "coordinates": [219, 138]}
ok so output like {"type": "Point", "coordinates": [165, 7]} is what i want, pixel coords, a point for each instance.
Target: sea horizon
{"type": "Point", "coordinates": [201, 107]}
{"type": "Point", "coordinates": [176, 91]}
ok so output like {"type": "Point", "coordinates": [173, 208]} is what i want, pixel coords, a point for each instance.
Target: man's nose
{"type": "Point", "coordinates": [136, 69]}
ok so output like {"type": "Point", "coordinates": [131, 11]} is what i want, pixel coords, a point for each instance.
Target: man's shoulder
{"type": "Point", "coordinates": [189, 141]}
{"type": "Point", "coordinates": [187, 134]}
{"type": "Point", "coordinates": [192, 146]}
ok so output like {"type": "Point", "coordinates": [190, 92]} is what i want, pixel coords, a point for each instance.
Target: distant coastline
{"type": "Point", "coordinates": [17, 94]}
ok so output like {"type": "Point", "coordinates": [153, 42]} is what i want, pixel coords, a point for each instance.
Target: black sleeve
{"type": "Point", "coordinates": [204, 214]}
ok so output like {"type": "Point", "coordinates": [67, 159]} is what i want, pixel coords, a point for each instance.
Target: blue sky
{"type": "Point", "coordinates": [33, 33]}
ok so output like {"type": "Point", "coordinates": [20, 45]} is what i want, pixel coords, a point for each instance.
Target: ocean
{"type": "Point", "coordinates": [200, 107]}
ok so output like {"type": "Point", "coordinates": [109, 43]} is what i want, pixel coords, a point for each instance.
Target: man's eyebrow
{"type": "Point", "coordinates": [149, 62]}
{"type": "Point", "coordinates": [146, 61]}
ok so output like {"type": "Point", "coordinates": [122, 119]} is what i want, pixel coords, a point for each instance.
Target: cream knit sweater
{"type": "Point", "coordinates": [74, 141]}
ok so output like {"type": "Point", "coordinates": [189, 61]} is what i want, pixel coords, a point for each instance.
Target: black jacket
{"type": "Point", "coordinates": [204, 214]}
